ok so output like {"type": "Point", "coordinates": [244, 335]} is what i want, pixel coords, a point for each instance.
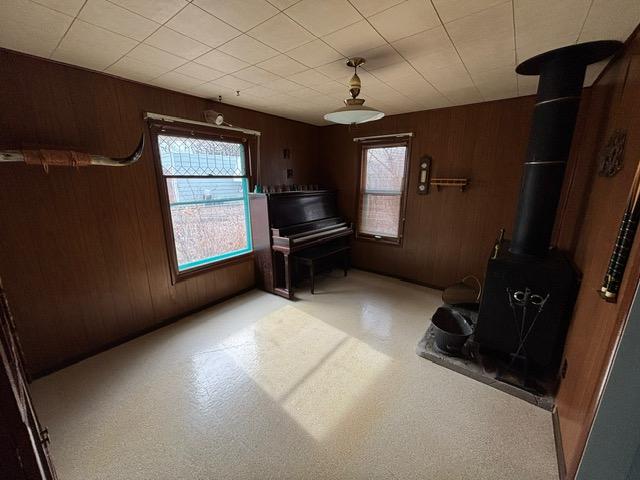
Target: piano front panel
{"type": "Point", "coordinates": [293, 208]}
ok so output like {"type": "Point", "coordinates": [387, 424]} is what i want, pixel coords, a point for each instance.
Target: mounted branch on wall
{"type": "Point", "coordinates": [68, 158]}
{"type": "Point", "coordinates": [612, 154]}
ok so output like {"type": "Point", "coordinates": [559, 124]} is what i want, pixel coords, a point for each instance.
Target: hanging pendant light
{"type": "Point", "coordinates": [354, 110]}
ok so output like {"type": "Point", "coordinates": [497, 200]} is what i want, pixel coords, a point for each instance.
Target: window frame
{"type": "Point", "coordinates": [362, 148]}
{"type": "Point", "coordinates": [159, 127]}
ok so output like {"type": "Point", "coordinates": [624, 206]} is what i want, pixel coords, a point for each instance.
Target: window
{"type": "Point", "coordinates": [382, 191]}
{"type": "Point", "coordinates": [204, 186]}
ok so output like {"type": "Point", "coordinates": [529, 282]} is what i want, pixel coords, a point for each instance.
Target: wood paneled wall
{"type": "Point", "coordinates": [82, 251]}
{"type": "Point", "coordinates": [448, 234]}
{"type": "Point", "coordinates": [592, 215]}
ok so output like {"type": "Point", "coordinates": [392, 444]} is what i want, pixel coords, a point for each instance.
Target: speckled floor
{"type": "Point", "coordinates": [327, 387]}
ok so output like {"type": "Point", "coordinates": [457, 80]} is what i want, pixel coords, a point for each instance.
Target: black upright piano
{"type": "Point", "coordinates": [286, 223]}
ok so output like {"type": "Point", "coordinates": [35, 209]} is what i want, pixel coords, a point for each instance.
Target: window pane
{"type": "Point", "coordinates": [382, 187]}
{"type": "Point", "coordinates": [385, 169]}
{"type": "Point", "coordinates": [380, 215]}
{"type": "Point", "coordinates": [200, 157]}
{"type": "Point", "coordinates": [210, 219]}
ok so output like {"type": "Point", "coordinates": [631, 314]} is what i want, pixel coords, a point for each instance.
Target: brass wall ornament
{"type": "Point", "coordinates": [613, 153]}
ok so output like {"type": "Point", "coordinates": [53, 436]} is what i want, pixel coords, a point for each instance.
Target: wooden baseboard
{"type": "Point", "coordinates": [78, 358]}
{"type": "Point", "coordinates": [562, 466]}
{"type": "Point", "coordinates": [398, 277]}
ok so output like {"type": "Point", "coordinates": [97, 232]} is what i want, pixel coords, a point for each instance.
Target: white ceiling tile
{"type": "Point", "coordinates": [336, 70]}
{"type": "Point", "coordinates": [323, 17]}
{"type": "Point", "coordinates": [309, 78]}
{"type": "Point", "coordinates": [281, 33]}
{"type": "Point", "coordinates": [207, 90]}
{"type": "Point", "coordinates": [282, 85]}
{"type": "Point", "coordinates": [232, 82]}
{"type": "Point", "coordinates": [355, 38]}
{"type": "Point", "coordinates": [371, 7]}
{"type": "Point", "coordinates": [92, 47]}
{"type": "Point", "coordinates": [199, 25]}
{"type": "Point", "coordinates": [176, 81]}
{"type": "Point", "coordinates": [259, 91]}
{"type": "Point", "coordinates": [198, 71]}
{"type": "Point", "coordinates": [154, 56]}
{"type": "Point", "coordinates": [449, 78]}
{"type": "Point", "coordinates": [463, 96]}
{"type": "Point", "coordinates": [282, 65]}
{"type": "Point", "coordinates": [485, 40]}
{"type": "Point", "coordinates": [542, 25]}
{"type": "Point", "coordinates": [611, 20]}
{"type": "Point", "coordinates": [242, 14]}
{"type": "Point", "coordinates": [248, 49]}
{"type": "Point", "coordinates": [157, 10]}
{"type": "Point", "coordinates": [176, 43]}
{"type": "Point", "coordinates": [397, 71]}
{"type": "Point", "coordinates": [453, 9]}
{"type": "Point", "coordinates": [527, 84]}
{"type": "Point", "coordinates": [133, 69]}
{"type": "Point", "coordinates": [282, 4]}
{"type": "Point", "coordinates": [31, 28]}
{"type": "Point", "coordinates": [314, 54]}
{"type": "Point", "coordinates": [256, 75]}
{"type": "Point", "coordinates": [333, 88]}
{"type": "Point", "coordinates": [381, 56]}
{"type": "Point", "coordinates": [439, 53]}
{"type": "Point", "coordinates": [497, 83]}
{"type": "Point", "coordinates": [406, 19]}
{"type": "Point", "coordinates": [117, 19]}
{"type": "Point", "coordinates": [221, 61]}
{"type": "Point", "coordinates": [68, 7]}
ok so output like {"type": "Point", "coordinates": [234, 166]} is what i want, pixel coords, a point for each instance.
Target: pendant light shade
{"type": "Point", "coordinates": [354, 110]}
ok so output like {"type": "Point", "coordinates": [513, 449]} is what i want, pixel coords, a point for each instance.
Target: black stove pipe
{"type": "Point", "coordinates": [562, 74]}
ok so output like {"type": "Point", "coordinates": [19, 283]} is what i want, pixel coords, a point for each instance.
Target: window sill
{"type": "Point", "coordinates": [397, 242]}
{"type": "Point", "coordinates": [186, 274]}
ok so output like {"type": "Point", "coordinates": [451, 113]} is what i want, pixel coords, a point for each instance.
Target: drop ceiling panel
{"type": "Point", "coordinates": [117, 19]}
{"type": "Point", "coordinates": [323, 17]}
{"type": "Point", "coordinates": [242, 14]}
{"type": "Point", "coordinates": [157, 10]}
{"type": "Point", "coordinates": [355, 38]}
{"type": "Point", "coordinates": [195, 70]}
{"type": "Point", "coordinates": [288, 57]}
{"type": "Point", "coordinates": [281, 33]}
{"type": "Point", "coordinates": [248, 49]}
{"type": "Point", "coordinates": [134, 69]}
{"type": "Point", "coordinates": [173, 42]}
{"type": "Point", "coordinates": [221, 61]}
{"type": "Point", "coordinates": [31, 28]}
{"type": "Point", "coordinates": [194, 22]}
{"type": "Point", "coordinates": [405, 19]}
{"type": "Point", "coordinates": [155, 56]}
{"type": "Point", "coordinates": [92, 47]}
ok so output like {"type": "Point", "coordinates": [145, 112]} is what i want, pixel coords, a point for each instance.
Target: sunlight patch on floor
{"type": "Point", "coordinates": [313, 370]}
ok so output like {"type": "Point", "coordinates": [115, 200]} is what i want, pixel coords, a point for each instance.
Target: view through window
{"type": "Point", "coordinates": [207, 189]}
{"type": "Point", "coordinates": [382, 191]}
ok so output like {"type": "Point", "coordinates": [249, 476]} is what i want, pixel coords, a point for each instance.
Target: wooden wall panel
{"type": "Point", "coordinates": [82, 251]}
{"type": "Point", "coordinates": [595, 206]}
{"type": "Point", "coordinates": [448, 234]}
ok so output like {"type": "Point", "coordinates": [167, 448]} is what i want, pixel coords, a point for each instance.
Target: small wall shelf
{"type": "Point", "coordinates": [460, 183]}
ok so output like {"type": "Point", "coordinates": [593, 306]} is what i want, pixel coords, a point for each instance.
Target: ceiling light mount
{"type": "Point", "coordinates": [354, 110]}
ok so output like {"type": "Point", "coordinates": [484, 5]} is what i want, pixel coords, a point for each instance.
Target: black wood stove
{"type": "Point", "coordinates": [530, 288]}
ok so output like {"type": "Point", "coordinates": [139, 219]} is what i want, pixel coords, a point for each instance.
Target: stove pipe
{"type": "Point", "coordinates": [561, 78]}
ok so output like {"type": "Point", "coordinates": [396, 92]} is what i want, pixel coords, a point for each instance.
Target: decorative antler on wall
{"type": "Point", "coordinates": [68, 158]}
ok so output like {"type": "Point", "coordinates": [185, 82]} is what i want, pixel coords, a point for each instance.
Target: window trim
{"type": "Point", "coordinates": [159, 127]}
{"type": "Point", "coordinates": [383, 142]}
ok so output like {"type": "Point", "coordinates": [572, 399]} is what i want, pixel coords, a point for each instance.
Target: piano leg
{"type": "Point", "coordinates": [288, 276]}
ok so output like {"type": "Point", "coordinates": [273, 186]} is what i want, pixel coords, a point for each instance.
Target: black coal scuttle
{"type": "Point", "coordinates": [529, 288]}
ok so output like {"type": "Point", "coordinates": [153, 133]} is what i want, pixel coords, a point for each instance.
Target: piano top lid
{"type": "Point", "coordinates": [291, 208]}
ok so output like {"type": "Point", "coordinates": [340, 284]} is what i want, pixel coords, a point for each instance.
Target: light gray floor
{"type": "Point", "coordinates": [258, 387]}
